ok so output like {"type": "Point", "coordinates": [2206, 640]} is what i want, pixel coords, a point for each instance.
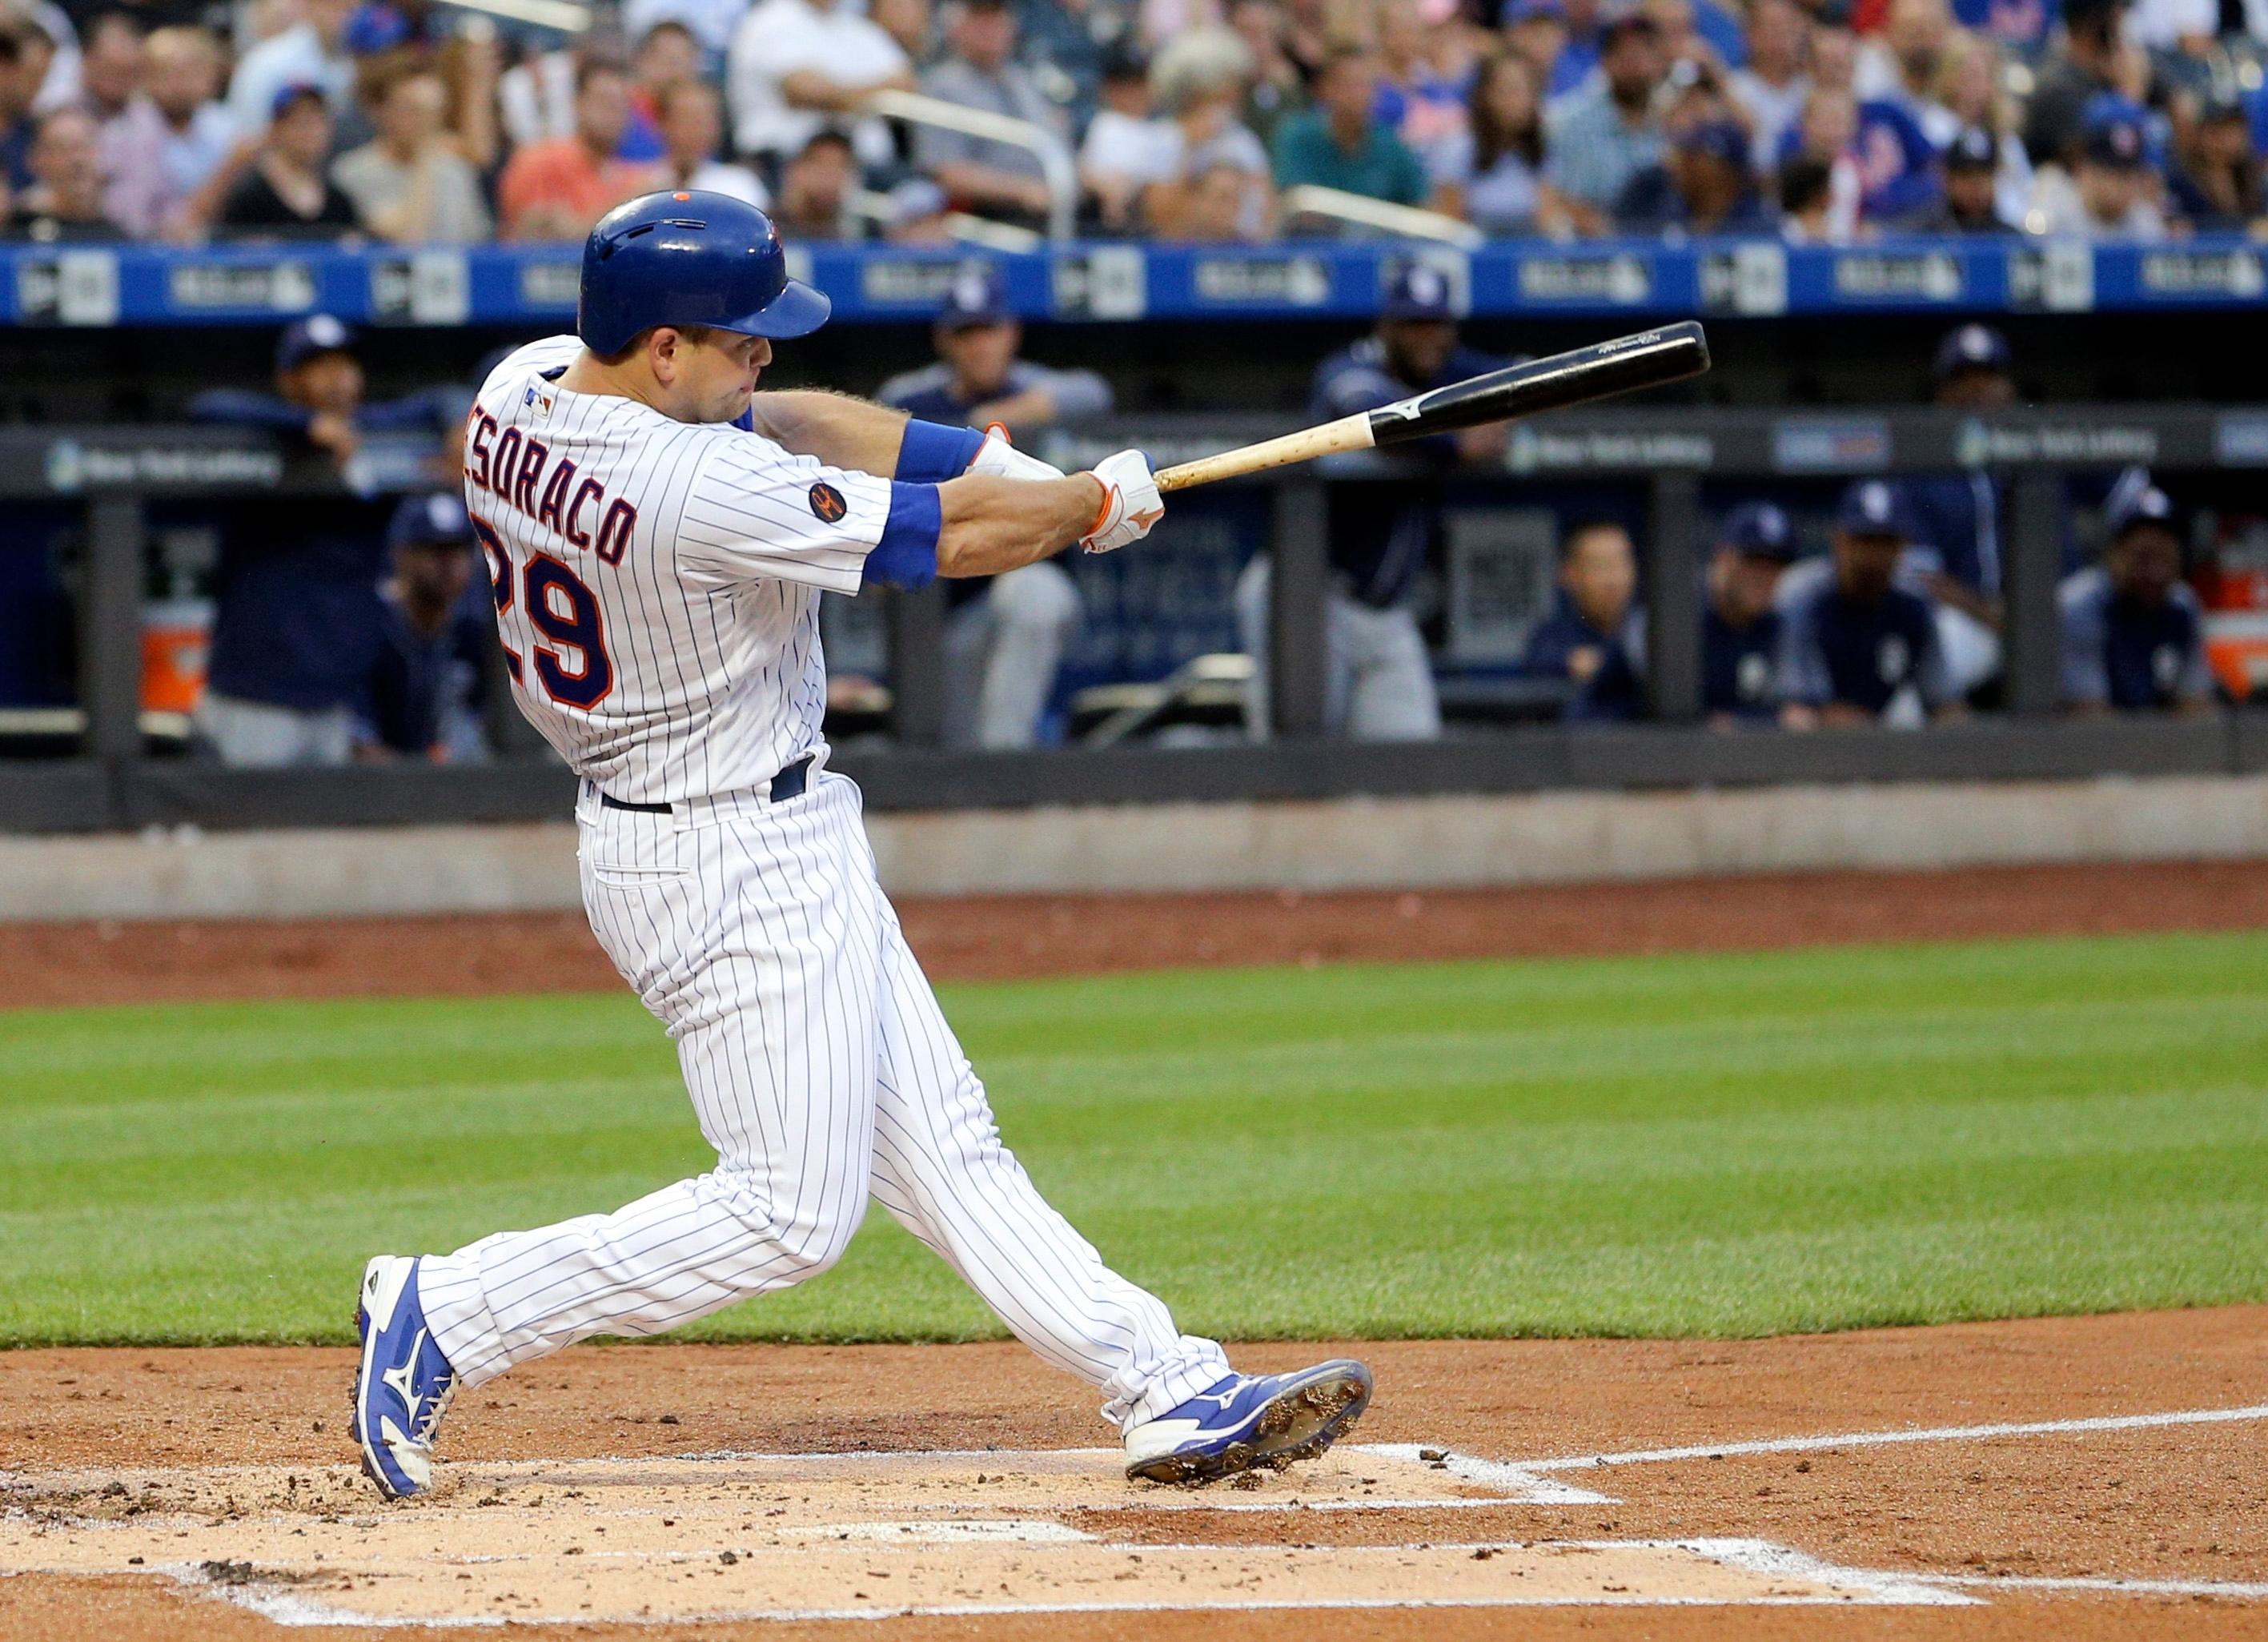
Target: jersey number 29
{"type": "Point", "coordinates": [571, 654]}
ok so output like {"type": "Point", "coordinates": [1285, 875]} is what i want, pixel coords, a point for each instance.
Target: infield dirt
{"type": "Point", "coordinates": [238, 1463]}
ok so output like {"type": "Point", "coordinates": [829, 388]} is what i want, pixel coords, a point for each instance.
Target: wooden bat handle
{"type": "Point", "coordinates": [1330, 438]}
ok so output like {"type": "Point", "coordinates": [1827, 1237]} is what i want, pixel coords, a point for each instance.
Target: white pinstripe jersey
{"type": "Point", "coordinates": [657, 581]}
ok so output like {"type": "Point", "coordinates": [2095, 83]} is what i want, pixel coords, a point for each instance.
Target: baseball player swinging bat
{"type": "Point", "coordinates": [1627, 363]}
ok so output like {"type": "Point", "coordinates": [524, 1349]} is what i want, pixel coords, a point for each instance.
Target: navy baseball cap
{"type": "Point", "coordinates": [1528, 11]}
{"type": "Point", "coordinates": [317, 334]}
{"type": "Point", "coordinates": [289, 97]}
{"type": "Point", "coordinates": [978, 296]}
{"type": "Point", "coordinates": [437, 519]}
{"type": "Point", "coordinates": [1418, 291]}
{"type": "Point", "coordinates": [2149, 505]}
{"type": "Point", "coordinates": [1972, 149]}
{"type": "Point", "coordinates": [2114, 137]}
{"type": "Point", "coordinates": [1874, 507]}
{"type": "Point", "coordinates": [1760, 530]}
{"type": "Point", "coordinates": [1719, 139]}
{"type": "Point", "coordinates": [1972, 348]}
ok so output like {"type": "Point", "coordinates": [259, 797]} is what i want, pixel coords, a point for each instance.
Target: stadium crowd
{"type": "Point", "coordinates": [1822, 121]}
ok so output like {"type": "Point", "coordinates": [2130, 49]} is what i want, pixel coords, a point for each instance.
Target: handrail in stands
{"type": "Point", "coordinates": [1054, 155]}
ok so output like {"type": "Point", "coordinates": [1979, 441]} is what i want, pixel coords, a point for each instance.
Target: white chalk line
{"type": "Point", "coordinates": [1849, 1588]}
{"type": "Point", "coordinates": [1883, 1439]}
{"type": "Point", "coordinates": [2232, 1590]}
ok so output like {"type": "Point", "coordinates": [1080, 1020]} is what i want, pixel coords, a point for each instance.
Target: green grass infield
{"type": "Point", "coordinates": [1722, 1146]}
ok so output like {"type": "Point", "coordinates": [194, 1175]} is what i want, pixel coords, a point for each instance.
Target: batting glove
{"type": "Point", "coordinates": [1130, 502]}
{"type": "Point", "coordinates": [998, 455]}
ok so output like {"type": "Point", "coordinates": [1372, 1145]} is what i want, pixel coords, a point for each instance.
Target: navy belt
{"type": "Point", "coordinates": [789, 783]}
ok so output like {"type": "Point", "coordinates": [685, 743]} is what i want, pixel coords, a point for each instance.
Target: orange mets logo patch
{"type": "Point", "coordinates": [827, 502]}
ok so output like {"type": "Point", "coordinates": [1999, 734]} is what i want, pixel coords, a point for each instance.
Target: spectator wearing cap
{"type": "Point", "coordinates": [2111, 193]}
{"type": "Point", "coordinates": [2089, 60]}
{"type": "Point", "coordinates": [311, 52]}
{"type": "Point", "coordinates": [1126, 148]}
{"type": "Point", "coordinates": [296, 621]}
{"type": "Point", "coordinates": [796, 65]}
{"type": "Point", "coordinates": [1592, 642]}
{"type": "Point", "coordinates": [2133, 635]}
{"type": "Point", "coordinates": [172, 138]}
{"type": "Point", "coordinates": [691, 116]}
{"type": "Point", "coordinates": [979, 71]}
{"type": "Point", "coordinates": [286, 191]}
{"type": "Point", "coordinates": [1340, 144]}
{"type": "Point", "coordinates": [1006, 635]}
{"type": "Point", "coordinates": [423, 696]}
{"type": "Point", "coordinates": [1704, 185]}
{"type": "Point", "coordinates": [1771, 88]}
{"type": "Point", "coordinates": [1597, 139]}
{"type": "Point", "coordinates": [1379, 682]}
{"type": "Point", "coordinates": [1740, 623]}
{"type": "Point", "coordinates": [2216, 185]}
{"type": "Point", "coordinates": [1491, 173]}
{"type": "Point", "coordinates": [65, 200]}
{"type": "Point", "coordinates": [1971, 204]}
{"type": "Point", "coordinates": [1855, 647]}
{"type": "Point", "coordinates": [555, 190]}
{"type": "Point", "coordinates": [409, 185]}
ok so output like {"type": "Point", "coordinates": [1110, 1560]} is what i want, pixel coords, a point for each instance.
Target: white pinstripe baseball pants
{"type": "Point", "coordinates": [822, 1071]}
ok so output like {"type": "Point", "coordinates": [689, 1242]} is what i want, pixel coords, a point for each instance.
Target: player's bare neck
{"type": "Point", "coordinates": [590, 374]}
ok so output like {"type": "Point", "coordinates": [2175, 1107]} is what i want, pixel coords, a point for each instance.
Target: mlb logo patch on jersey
{"type": "Point", "coordinates": [826, 503]}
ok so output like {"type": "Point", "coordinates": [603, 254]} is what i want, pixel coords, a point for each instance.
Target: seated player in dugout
{"type": "Point", "coordinates": [2133, 633]}
{"type": "Point", "coordinates": [295, 626]}
{"type": "Point", "coordinates": [1379, 681]}
{"type": "Point", "coordinates": [1590, 642]}
{"type": "Point", "coordinates": [1006, 636]}
{"type": "Point", "coordinates": [1740, 626]}
{"type": "Point", "coordinates": [1855, 647]}
{"type": "Point", "coordinates": [425, 690]}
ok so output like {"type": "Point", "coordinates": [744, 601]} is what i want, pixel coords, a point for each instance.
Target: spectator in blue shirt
{"type": "Point", "coordinates": [423, 697]}
{"type": "Point", "coordinates": [1705, 185]}
{"type": "Point", "coordinates": [2133, 635]}
{"type": "Point", "coordinates": [1740, 628]}
{"type": "Point", "coordinates": [1006, 635]}
{"type": "Point", "coordinates": [1591, 640]}
{"type": "Point", "coordinates": [296, 625]}
{"type": "Point", "coordinates": [1856, 648]}
{"type": "Point", "coordinates": [1340, 143]}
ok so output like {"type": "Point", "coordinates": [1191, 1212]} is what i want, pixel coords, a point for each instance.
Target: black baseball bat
{"type": "Point", "coordinates": [1670, 353]}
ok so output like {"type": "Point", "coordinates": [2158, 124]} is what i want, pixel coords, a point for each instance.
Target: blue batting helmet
{"type": "Point", "coordinates": [689, 259]}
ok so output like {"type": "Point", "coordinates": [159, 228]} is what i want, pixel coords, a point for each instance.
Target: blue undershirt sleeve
{"type": "Point", "coordinates": [931, 453]}
{"type": "Point", "coordinates": [906, 556]}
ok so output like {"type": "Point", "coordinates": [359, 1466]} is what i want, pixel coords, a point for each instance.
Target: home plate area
{"type": "Point", "coordinates": [854, 1536]}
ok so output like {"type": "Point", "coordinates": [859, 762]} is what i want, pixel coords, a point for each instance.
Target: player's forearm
{"type": "Point", "coordinates": [992, 525]}
{"type": "Point", "coordinates": [839, 431]}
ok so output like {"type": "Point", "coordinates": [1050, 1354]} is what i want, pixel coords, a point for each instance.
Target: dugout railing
{"type": "Point", "coordinates": [114, 474]}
